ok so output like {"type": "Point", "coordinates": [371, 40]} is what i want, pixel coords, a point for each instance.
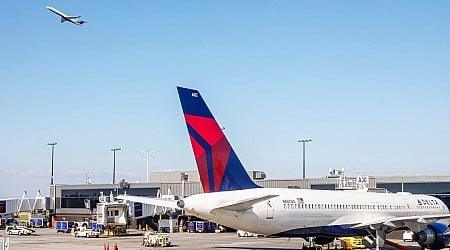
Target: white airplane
{"type": "Point", "coordinates": [232, 199]}
{"type": "Point", "coordinates": [65, 17]}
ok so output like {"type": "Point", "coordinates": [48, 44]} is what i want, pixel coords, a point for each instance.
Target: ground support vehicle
{"type": "Point", "coordinates": [152, 239]}
{"type": "Point", "coordinates": [19, 230]}
{"type": "Point", "coordinates": [353, 243]}
{"type": "Point", "coordinates": [88, 233]}
{"type": "Point", "coordinates": [408, 236]}
{"type": "Point", "coordinates": [241, 233]}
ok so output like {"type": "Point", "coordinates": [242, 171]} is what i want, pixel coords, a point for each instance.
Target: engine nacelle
{"type": "Point", "coordinates": [435, 236]}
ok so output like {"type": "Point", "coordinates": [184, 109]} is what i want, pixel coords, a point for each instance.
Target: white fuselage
{"type": "Point", "coordinates": [298, 210]}
{"type": "Point", "coordinates": [65, 17]}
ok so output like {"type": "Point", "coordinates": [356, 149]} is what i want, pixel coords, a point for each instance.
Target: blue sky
{"type": "Point", "coordinates": [367, 81]}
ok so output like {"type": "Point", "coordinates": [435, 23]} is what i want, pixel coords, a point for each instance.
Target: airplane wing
{"type": "Point", "coordinates": [414, 223]}
{"type": "Point", "coordinates": [244, 204]}
{"type": "Point", "coordinates": [151, 201]}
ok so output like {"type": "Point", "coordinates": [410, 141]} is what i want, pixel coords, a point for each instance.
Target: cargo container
{"type": "Point", "coordinates": [38, 222]}
{"type": "Point", "coordinates": [211, 226]}
{"type": "Point", "coordinates": [201, 226]}
{"type": "Point", "coordinates": [167, 225]}
{"type": "Point", "coordinates": [64, 226]}
{"type": "Point", "coordinates": [190, 226]}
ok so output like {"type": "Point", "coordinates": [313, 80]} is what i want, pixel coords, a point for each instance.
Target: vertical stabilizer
{"type": "Point", "coordinates": [217, 163]}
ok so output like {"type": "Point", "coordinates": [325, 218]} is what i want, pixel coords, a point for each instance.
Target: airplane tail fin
{"type": "Point", "coordinates": [217, 163]}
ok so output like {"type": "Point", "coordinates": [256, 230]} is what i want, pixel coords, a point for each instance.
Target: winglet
{"type": "Point", "coordinates": [218, 165]}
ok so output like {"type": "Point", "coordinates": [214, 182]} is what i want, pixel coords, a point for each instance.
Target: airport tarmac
{"type": "Point", "coordinates": [45, 238]}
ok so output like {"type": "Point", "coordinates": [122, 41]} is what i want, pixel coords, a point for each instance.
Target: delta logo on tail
{"type": "Point", "coordinates": [218, 164]}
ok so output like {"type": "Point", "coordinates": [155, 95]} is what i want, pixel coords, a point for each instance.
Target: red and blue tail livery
{"type": "Point", "coordinates": [218, 165]}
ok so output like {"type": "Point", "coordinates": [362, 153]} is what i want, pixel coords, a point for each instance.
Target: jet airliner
{"type": "Point", "coordinates": [65, 17]}
{"type": "Point", "coordinates": [232, 199]}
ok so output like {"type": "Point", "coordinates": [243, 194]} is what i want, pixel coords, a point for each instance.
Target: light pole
{"type": "Point", "coordinates": [304, 142]}
{"type": "Point", "coordinates": [114, 168]}
{"type": "Point", "coordinates": [147, 158]}
{"type": "Point", "coordinates": [52, 183]}
{"type": "Point", "coordinates": [53, 152]}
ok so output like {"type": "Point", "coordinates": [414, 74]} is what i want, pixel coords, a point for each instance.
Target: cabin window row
{"type": "Point", "coordinates": [343, 206]}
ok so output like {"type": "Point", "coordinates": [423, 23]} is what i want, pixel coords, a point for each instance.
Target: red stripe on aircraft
{"type": "Point", "coordinates": [203, 172]}
{"type": "Point", "coordinates": [196, 147]}
{"type": "Point", "coordinates": [207, 128]}
{"type": "Point", "coordinates": [221, 153]}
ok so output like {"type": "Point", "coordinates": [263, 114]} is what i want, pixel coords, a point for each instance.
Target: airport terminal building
{"type": "Point", "coordinates": [78, 202]}
{"type": "Point", "coordinates": [82, 199]}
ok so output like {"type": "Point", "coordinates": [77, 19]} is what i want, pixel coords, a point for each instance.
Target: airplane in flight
{"type": "Point", "coordinates": [232, 199]}
{"type": "Point", "coordinates": [65, 17]}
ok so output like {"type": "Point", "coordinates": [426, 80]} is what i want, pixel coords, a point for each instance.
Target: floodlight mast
{"type": "Point", "coordinates": [147, 158]}
{"type": "Point", "coordinates": [53, 152]}
{"type": "Point", "coordinates": [303, 142]}
{"type": "Point", "coordinates": [114, 168]}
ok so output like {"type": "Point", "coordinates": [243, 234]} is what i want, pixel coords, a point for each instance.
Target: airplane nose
{"type": "Point", "coordinates": [180, 204]}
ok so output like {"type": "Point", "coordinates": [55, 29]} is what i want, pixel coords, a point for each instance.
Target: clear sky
{"type": "Point", "coordinates": [367, 81]}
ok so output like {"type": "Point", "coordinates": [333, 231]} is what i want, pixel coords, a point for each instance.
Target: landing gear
{"type": "Point", "coordinates": [380, 236]}
{"type": "Point", "coordinates": [312, 244]}
{"type": "Point", "coordinates": [311, 247]}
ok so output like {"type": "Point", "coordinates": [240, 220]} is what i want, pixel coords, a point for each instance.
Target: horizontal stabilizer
{"type": "Point", "coordinates": [150, 201]}
{"type": "Point", "coordinates": [244, 204]}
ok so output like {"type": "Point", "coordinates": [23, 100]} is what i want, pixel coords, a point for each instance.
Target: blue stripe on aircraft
{"type": "Point", "coordinates": [235, 177]}
{"type": "Point", "coordinates": [193, 103]}
{"type": "Point", "coordinates": [335, 231]}
{"type": "Point", "coordinates": [209, 161]}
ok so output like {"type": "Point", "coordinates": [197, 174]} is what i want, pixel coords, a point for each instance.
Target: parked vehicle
{"type": "Point", "coordinates": [19, 230]}
{"type": "Point", "coordinates": [88, 233]}
{"type": "Point", "coordinates": [408, 236]}
{"type": "Point", "coordinates": [241, 233]}
{"type": "Point", "coordinates": [353, 243]}
{"type": "Point", "coordinates": [152, 239]}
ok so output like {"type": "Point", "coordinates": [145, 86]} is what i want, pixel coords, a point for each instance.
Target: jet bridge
{"type": "Point", "coordinates": [112, 215]}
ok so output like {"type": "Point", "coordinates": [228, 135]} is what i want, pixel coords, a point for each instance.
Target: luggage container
{"type": "Point", "coordinates": [200, 226]}
{"type": "Point", "coordinates": [167, 225]}
{"type": "Point", "coordinates": [64, 226]}
{"type": "Point", "coordinates": [190, 226]}
{"type": "Point", "coordinates": [211, 226]}
{"type": "Point", "coordinates": [37, 221]}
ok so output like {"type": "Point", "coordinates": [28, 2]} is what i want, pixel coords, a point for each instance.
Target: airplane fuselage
{"type": "Point", "coordinates": [295, 212]}
{"type": "Point", "coordinates": [65, 17]}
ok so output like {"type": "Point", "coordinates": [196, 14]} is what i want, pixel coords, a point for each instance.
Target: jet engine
{"type": "Point", "coordinates": [435, 236]}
